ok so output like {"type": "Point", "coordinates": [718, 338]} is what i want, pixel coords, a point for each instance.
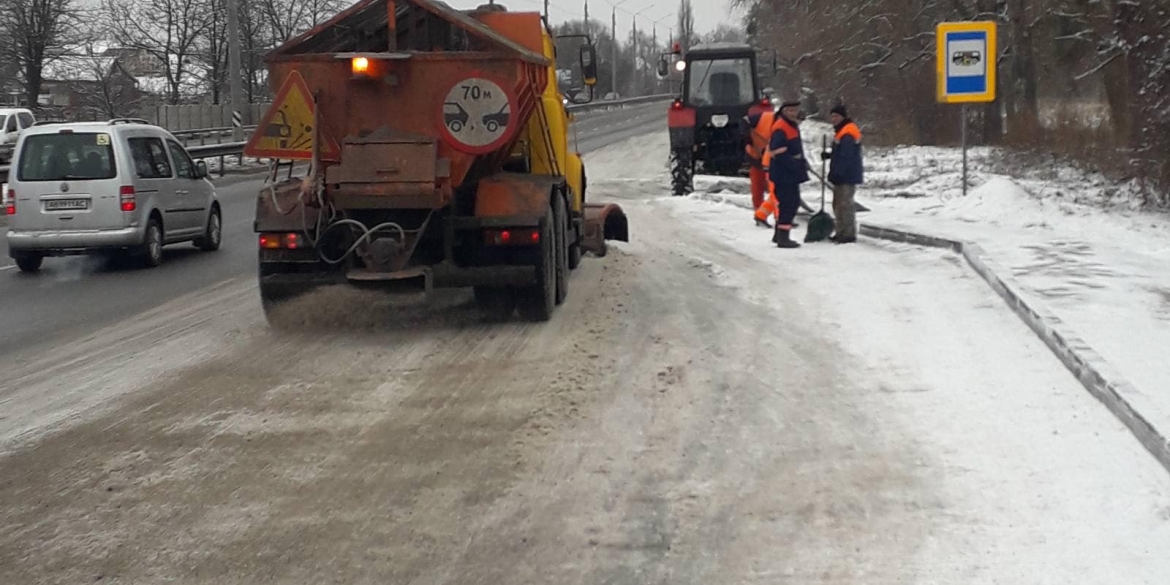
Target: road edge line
{"type": "Point", "coordinates": [1094, 373]}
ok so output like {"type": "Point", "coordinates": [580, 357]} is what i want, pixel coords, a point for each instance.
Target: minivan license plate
{"type": "Point", "coordinates": [66, 204]}
{"type": "Point", "coordinates": [719, 120]}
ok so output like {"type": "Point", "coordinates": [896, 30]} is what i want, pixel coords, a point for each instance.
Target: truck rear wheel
{"type": "Point", "coordinates": [682, 172]}
{"type": "Point", "coordinates": [561, 231]}
{"type": "Point", "coordinates": [536, 302]}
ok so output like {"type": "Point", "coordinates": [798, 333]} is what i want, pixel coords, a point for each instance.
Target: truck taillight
{"type": "Point", "coordinates": [127, 198]}
{"type": "Point", "coordinates": [10, 208]}
{"type": "Point", "coordinates": [676, 105]}
{"type": "Point", "coordinates": [289, 241]}
{"type": "Point", "coordinates": [521, 237]}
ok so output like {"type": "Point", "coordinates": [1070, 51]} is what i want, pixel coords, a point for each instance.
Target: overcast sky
{"type": "Point", "coordinates": [708, 13]}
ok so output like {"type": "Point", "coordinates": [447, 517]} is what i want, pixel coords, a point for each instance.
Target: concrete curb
{"type": "Point", "coordinates": [1093, 372]}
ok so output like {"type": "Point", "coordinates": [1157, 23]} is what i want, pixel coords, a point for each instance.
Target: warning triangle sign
{"type": "Point", "coordinates": [286, 131]}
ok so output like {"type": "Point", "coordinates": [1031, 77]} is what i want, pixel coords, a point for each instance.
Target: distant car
{"type": "Point", "coordinates": [13, 121]}
{"type": "Point", "coordinates": [106, 187]}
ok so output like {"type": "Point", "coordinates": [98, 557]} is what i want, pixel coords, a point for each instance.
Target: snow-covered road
{"type": "Point", "coordinates": [705, 409]}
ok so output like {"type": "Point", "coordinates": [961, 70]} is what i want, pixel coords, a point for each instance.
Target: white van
{"type": "Point", "coordinates": [102, 187]}
{"type": "Point", "coordinates": [13, 121]}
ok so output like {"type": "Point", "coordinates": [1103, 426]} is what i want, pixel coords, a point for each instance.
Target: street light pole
{"type": "Point", "coordinates": [233, 25]}
{"type": "Point", "coordinates": [613, 52]}
{"type": "Point", "coordinates": [637, 72]}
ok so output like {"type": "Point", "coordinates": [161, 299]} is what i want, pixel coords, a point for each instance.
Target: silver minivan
{"type": "Point", "coordinates": [106, 187]}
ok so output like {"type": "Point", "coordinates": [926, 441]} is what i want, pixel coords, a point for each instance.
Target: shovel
{"type": "Point", "coordinates": [821, 224]}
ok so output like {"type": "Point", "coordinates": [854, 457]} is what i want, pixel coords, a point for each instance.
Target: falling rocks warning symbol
{"type": "Point", "coordinates": [286, 131]}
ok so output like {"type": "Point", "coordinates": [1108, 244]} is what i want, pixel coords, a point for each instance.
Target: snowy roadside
{"type": "Point", "coordinates": [1073, 240]}
{"type": "Point", "coordinates": [1030, 479]}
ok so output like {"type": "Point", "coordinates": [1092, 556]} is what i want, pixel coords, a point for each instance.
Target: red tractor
{"type": "Point", "coordinates": [720, 87]}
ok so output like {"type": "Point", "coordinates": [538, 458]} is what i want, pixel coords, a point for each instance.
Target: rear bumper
{"type": "Point", "coordinates": [73, 242]}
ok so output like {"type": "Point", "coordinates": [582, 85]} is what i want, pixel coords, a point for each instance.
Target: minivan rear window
{"type": "Point", "coordinates": [75, 157]}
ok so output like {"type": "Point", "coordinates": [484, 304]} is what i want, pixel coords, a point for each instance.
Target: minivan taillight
{"type": "Point", "coordinates": [126, 197]}
{"type": "Point", "coordinates": [10, 209]}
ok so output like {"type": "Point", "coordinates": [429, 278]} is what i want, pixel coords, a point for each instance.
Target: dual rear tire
{"type": "Point", "coordinates": [536, 302]}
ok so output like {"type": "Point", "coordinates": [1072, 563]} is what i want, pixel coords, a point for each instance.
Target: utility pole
{"type": "Point", "coordinates": [588, 32]}
{"type": "Point", "coordinates": [545, 12]}
{"type": "Point", "coordinates": [233, 25]}
{"type": "Point", "coordinates": [637, 73]}
{"type": "Point", "coordinates": [613, 52]}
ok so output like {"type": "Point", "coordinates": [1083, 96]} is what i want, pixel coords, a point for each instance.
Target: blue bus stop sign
{"type": "Point", "coordinates": [966, 62]}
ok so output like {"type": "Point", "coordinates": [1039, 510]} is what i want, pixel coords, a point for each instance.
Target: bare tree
{"type": "Point", "coordinates": [34, 33]}
{"type": "Point", "coordinates": [288, 18]}
{"type": "Point", "coordinates": [725, 33]}
{"type": "Point", "coordinates": [686, 24]}
{"type": "Point", "coordinates": [105, 88]}
{"type": "Point", "coordinates": [167, 30]}
{"type": "Point", "coordinates": [879, 56]}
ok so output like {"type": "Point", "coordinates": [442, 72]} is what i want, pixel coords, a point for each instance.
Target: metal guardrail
{"type": "Point", "coordinates": [607, 104]}
{"type": "Point", "coordinates": [226, 149]}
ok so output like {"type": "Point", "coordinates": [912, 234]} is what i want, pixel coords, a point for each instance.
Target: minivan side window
{"type": "Point", "coordinates": [150, 158]}
{"type": "Point", "coordinates": [11, 126]}
{"type": "Point", "coordinates": [182, 160]}
{"type": "Point", "coordinates": [26, 120]}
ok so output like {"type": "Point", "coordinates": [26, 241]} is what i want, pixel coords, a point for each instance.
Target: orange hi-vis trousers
{"type": "Point", "coordinates": [769, 207]}
{"type": "Point", "coordinates": [759, 178]}
{"type": "Point", "coordinates": [781, 204]}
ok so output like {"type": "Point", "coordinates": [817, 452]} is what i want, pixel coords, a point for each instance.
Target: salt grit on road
{"type": "Point", "coordinates": [704, 409]}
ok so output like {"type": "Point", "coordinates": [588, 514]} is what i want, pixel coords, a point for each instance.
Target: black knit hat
{"type": "Point", "coordinates": [840, 110]}
{"type": "Point", "coordinates": [790, 104]}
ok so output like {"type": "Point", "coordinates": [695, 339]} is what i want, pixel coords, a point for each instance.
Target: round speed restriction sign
{"type": "Point", "coordinates": [477, 115]}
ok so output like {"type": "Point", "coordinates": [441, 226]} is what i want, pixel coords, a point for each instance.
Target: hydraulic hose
{"type": "Point", "coordinates": [366, 233]}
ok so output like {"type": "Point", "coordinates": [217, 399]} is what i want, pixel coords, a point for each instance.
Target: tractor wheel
{"type": "Point", "coordinates": [682, 172]}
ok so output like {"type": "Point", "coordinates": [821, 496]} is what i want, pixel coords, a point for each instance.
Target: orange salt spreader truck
{"type": "Point", "coordinates": [438, 155]}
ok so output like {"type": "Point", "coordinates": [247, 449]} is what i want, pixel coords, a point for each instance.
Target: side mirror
{"type": "Point", "coordinates": [589, 64]}
{"type": "Point", "coordinates": [201, 170]}
{"type": "Point", "coordinates": [579, 96]}
{"type": "Point", "coordinates": [663, 69]}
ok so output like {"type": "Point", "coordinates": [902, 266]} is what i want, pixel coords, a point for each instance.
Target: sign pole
{"type": "Point", "coordinates": [966, 61]}
{"type": "Point", "coordinates": [964, 133]}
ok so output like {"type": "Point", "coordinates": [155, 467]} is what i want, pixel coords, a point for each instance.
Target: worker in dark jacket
{"type": "Point", "coordinates": [787, 171]}
{"type": "Point", "coordinates": [845, 173]}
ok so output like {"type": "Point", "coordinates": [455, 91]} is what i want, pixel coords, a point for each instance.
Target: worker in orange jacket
{"type": "Point", "coordinates": [758, 158]}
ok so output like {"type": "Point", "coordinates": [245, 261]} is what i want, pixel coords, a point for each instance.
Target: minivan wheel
{"type": "Point", "coordinates": [212, 234]}
{"type": "Point", "coordinates": [152, 245]}
{"type": "Point", "coordinates": [30, 264]}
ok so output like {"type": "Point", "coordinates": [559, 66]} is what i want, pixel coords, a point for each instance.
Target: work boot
{"type": "Point", "coordinates": [840, 240]}
{"type": "Point", "coordinates": [783, 239]}
{"type": "Point", "coordinates": [763, 223]}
